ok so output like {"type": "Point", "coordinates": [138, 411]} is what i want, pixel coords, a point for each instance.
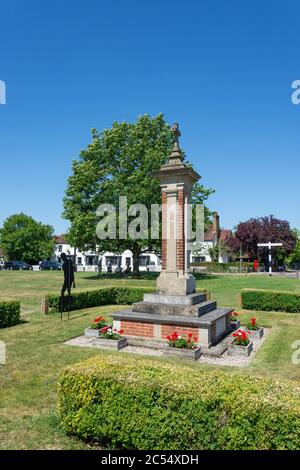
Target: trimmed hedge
{"type": "Point", "coordinates": [269, 300]}
{"type": "Point", "coordinates": [213, 267]}
{"type": "Point", "coordinates": [126, 403]}
{"type": "Point", "coordinates": [104, 296]}
{"type": "Point", "coordinates": [9, 313]}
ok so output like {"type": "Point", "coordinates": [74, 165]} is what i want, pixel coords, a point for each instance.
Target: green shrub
{"type": "Point", "coordinates": [213, 267]}
{"type": "Point", "coordinates": [269, 300]}
{"type": "Point", "coordinates": [127, 403]}
{"type": "Point", "coordinates": [9, 313]}
{"type": "Point", "coordinates": [105, 296]}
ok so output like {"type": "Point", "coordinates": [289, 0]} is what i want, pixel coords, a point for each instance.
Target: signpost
{"type": "Point", "coordinates": [270, 245]}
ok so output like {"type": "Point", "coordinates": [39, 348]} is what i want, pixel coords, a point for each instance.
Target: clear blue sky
{"type": "Point", "coordinates": [222, 69]}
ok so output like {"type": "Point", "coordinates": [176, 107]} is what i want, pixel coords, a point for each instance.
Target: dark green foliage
{"type": "Point", "coordinates": [268, 300]}
{"type": "Point", "coordinates": [120, 161]}
{"type": "Point", "coordinates": [9, 313]}
{"type": "Point", "coordinates": [24, 239]}
{"type": "Point", "coordinates": [95, 298]}
{"type": "Point", "coordinates": [213, 267]}
{"type": "Point", "coordinates": [125, 403]}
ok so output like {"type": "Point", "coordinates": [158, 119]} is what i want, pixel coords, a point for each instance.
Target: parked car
{"type": "Point", "coordinates": [16, 265]}
{"type": "Point", "coordinates": [50, 265]}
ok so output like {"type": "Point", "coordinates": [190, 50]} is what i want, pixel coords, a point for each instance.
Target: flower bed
{"type": "Point", "coordinates": [111, 338]}
{"type": "Point", "coordinates": [235, 321]}
{"type": "Point", "coordinates": [255, 330]}
{"type": "Point", "coordinates": [241, 344]}
{"type": "Point", "coordinates": [93, 330]}
{"type": "Point", "coordinates": [183, 346]}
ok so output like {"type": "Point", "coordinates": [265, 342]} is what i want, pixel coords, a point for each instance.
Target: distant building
{"type": "Point", "coordinates": [89, 260]}
{"type": "Point", "coordinates": [214, 237]}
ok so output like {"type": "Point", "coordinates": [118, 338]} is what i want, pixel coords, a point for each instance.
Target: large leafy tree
{"type": "Point", "coordinates": [23, 238]}
{"type": "Point", "coordinates": [262, 230]}
{"type": "Point", "coordinates": [293, 259]}
{"type": "Point", "coordinates": [119, 162]}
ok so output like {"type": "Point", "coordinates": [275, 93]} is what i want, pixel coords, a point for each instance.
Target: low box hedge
{"type": "Point", "coordinates": [123, 402]}
{"type": "Point", "coordinates": [104, 296]}
{"type": "Point", "coordinates": [97, 297]}
{"type": "Point", "coordinates": [9, 313]}
{"type": "Point", "coordinates": [270, 300]}
{"type": "Point", "coordinates": [214, 267]}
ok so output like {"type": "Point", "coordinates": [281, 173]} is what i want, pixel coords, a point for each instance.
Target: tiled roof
{"type": "Point", "coordinates": [60, 239]}
{"type": "Point", "coordinates": [210, 234]}
{"type": "Point", "coordinates": [225, 234]}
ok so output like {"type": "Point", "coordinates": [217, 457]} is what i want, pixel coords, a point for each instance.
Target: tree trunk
{"type": "Point", "coordinates": [136, 261]}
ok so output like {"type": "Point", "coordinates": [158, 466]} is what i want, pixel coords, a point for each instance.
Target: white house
{"type": "Point", "coordinates": [213, 237]}
{"type": "Point", "coordinates": [90, 260]}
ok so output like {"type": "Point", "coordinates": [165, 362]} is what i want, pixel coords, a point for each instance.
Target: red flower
{"type": "Point", "coordinates": [195, 339]}
{"type": "Point", "coordinates": [98, 319]}
{"type": "Point", "coordinates": [174, 336]}
{"type": "Point", "coordinates": [104, 329]}
{"type": "Point", "coordinates": [190, 335]}
{"type": "Point", "coordinates": [240, 336]}
{"type": "Point", "coordinates": [121, 331]}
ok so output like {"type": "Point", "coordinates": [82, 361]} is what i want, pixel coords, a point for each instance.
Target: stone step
{"type": "Point", "coordinates": [170, 309]}
{"type": "Point", "coordinates": [206, 307]}
{"type": "Point", "coordinates": [204, 321]}
{"type": "Point", "coordinates": [185, 300]}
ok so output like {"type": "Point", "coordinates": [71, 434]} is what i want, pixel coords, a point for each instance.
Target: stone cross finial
{"type": "Point", "coordinates": [176, 157]}
{"type": "Point", "coordinates": [177, 134]}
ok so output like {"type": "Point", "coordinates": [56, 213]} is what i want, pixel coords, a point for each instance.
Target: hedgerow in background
{"type": "Point", "coordinates": [269, 300]}
{"type": "Point", "coordinates": [98, 297]}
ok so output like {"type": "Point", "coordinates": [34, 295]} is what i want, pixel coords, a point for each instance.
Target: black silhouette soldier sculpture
{"type": "Point", "coordinates": [69, 281]}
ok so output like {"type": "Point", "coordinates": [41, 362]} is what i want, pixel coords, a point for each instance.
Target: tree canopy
{"type": "Point", "coordinates": [262, 230]}
{"type": "Point", "coordinates": [293, 259]}
{"type": "Point", "coordinates": [119, 161]}
{"type": "Point", "coordinates": [24, 239]}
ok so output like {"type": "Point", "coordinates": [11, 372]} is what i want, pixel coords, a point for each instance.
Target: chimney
{"type": "Point", "coordinates": [216, 223]}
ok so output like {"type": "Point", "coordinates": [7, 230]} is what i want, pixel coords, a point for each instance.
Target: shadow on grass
{"type": "Point", "coordinates": [142, 276]}
{"type": "Point", "coordinates": [20, 322]}
{"type": "Point", "coordinates": [201, 276]}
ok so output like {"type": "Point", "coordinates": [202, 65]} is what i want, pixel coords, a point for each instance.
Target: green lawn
{"type": "Point", "coordinates": [36, 353]}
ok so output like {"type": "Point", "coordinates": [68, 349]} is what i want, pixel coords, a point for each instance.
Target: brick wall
{"type": "Point", "coordinates": [180, 242]}
{"type": "Point", "coordinates": [167, 330]}
{"type": "Point", "coordinates": [137, 329]}
{"type": "Point", "coordinates": [164, 231]}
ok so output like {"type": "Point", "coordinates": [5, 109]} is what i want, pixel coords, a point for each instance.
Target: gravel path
{"type": "Point", "coordinates": [224, 360]}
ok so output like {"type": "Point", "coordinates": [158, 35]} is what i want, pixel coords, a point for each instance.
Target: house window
{"type": "Point", "coordinates": [144, 260]}
{"type": "Point", "coordinates": [128, 261]}
{"type": "Point", "coordinates": [79, 260]}
{"type": "Point", "coordinates": [198, 259]}
{"type": "Point", "coordinates": [114, 260]}
{"type": "Point", "coordinates": [60, 248]}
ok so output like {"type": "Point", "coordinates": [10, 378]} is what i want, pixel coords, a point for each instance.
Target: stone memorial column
{"type": "Point", "coordinates": [176, 180]}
